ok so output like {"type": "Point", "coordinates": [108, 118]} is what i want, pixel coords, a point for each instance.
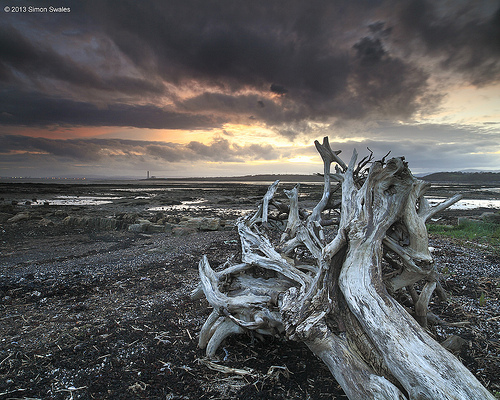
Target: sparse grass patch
{"type": "Point", "coordinates": [485, 233]}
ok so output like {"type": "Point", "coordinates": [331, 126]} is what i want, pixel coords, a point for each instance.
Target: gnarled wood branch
{"type": "Point", "coordinates": [341, 304]}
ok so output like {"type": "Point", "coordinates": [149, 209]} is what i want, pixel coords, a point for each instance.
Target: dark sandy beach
{"type": "Point", "coordinates": [95, 302]}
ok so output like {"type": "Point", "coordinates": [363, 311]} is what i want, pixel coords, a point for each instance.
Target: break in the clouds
{"type": "Point", "coordinates": [290, 67]}
{"type": "Point", "coordinates": [419, 144]}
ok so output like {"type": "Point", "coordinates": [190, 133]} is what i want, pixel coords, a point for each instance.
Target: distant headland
{"type": "Point", "coordinates": [456, 177]}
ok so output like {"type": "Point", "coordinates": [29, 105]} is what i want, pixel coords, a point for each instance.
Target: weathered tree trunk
{"type": "Point", "coordinates": [343, 304]}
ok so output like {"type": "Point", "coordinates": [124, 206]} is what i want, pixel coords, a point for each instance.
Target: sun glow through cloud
{"type": "Point", "coordinates": [304, 159]}
{"type": "Point", "coordinates": [470, 105]}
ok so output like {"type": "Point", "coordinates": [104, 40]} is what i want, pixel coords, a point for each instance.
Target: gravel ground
{"type": "Point", "coordinates": [92, 314]}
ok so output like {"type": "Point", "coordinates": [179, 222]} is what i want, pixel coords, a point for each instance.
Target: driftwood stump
{"type": "Point", "coordinates": [343, 304]}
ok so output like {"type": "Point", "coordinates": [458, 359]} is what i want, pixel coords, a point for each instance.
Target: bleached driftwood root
{"type": "Point", "coordinates": [344, 304]}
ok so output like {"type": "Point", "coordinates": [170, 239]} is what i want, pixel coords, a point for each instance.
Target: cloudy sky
{"type": "Point", "coordinates": [237, 87]}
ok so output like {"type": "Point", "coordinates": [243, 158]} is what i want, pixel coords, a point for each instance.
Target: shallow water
{"type": "Point", "coordinates": [77, 201]}
{"type": "Point", "coordinates": [197, 205]}
{"type": "Point", "coordinates": [467, 204]}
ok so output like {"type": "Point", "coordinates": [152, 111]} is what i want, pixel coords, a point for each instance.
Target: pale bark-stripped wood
{"type": "Point", "coordinates": [263, 210]}
{"type": "Point", "coordinates": [422, 304]}
{"type": "Point", "coordinates": [404, 345]}
{"type": "Point", "coordinates": [341, 305]}
{"type": "Point", "coordinates": [258, 250]}
{"type": "Point", "coordinates": [358, 380]}
{"type": "Point", "coordinates": [293, 220]}
{"type": "Point", "coordinates": [218, 299]}
{"type": "Point", "coordinates": [424, 368]}
{"type": "Point", "coordinates": [221, 330]}
{"type": "Point", "coordinates": [197, 292]}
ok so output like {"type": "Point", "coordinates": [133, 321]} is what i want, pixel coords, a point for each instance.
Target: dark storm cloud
{"type": "Point", "coordinates": [305, 49]}
{"type": "Point", "coordinates": [91, 150]}
{"type": "Point", "coordinates": [301, 60]}
{"type": "Point", "coordinates": [368, 81]}
{"type": "Point", "coordinates": [300, 49]}
{"type": "Point", "coordinates": [239, 104]}
{"type": "Point", "coordinates": [320, 77]}
{"type": "Point", "coordinates": [228, 43]}
{"type": "Point", "coordinates": [370, 51]}
{"type": "Point", "coordinates": [167, 152]}
{"type": "Point", "coordinates": [34, 109]}
{"type": "Point", "coordinates": [297, 50]}
{"type": "Point", "coordinates": [36, 61]}
{"type": "Point", "coordinates": [222, 150]}
{"type": "Point", "coordinates": [278, 89]}
{"type": "Point", "coordinates": [73, 149]}
{"type": "Point", "coordinates": [388, 85]}
{"type": "Point", "coordinates": [465, 42]}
